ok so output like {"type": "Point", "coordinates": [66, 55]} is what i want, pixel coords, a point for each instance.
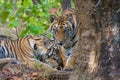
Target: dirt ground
{"type": "Point", "coordinates": [12, 71]}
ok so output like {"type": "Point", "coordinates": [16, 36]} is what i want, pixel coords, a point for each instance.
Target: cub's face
{"type": "Point", "coordinates": [37, 44]}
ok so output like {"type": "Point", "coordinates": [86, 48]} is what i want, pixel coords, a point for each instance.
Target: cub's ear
{"type": "Point", "coordinates": [32, 43]}
{"type": "Point", "coordinates": [52, 18]}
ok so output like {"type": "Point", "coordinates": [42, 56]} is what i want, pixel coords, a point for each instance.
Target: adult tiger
{"type": "Point", "coordinates": [64, 30]}
{"type": "Point", "coordinates": [24, 50]}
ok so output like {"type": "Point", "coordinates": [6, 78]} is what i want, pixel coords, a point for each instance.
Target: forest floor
{"type": "Point", "coordinates": [13, 71]}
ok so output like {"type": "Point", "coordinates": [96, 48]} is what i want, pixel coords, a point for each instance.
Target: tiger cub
{"type": "Point", "coordinates": [55, 55]}
{"type": "Point", "coordinates": [24, 50]}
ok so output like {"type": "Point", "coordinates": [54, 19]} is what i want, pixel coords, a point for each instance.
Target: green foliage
{"type": "Point", "coordinates": [35, 18]}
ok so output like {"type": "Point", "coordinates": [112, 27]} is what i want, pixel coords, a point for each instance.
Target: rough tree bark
{"type": "Point", "coordinates": [65, 4]}
{"type": "Point", "coordinates": [99, 39]}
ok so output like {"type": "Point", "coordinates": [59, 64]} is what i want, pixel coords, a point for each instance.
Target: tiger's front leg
{"type": "Point", "coordinates": [69, 64]}
{"type": "Point", "coordinates": [63, 56]}
{"type": "Point", "coordinates": [9, 60]}
{"type": "Point", "coordinates": [71, 61]}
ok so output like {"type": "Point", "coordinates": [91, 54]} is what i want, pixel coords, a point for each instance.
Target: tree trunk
{"type": "Point", "coordinates": [35, 2]}
{"type": "Point", "coordinates": [66, 4]}
{"type": "Point", "coordinates": [99, 40]}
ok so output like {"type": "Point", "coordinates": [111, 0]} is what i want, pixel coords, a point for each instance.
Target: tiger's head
{"type": "Point", "coordinates": [61, 28]}
{"type": "Point", "coordinates": [52, 57]}
{"type": "Point", "coordinates": [41, 45]}
{"type": "Point", "coordinates": [37, 44]}
{"type": "Point", "coordinates": [64, 27]}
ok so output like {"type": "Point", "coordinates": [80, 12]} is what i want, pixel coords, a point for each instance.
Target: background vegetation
{"type": "Point", "coordinates": [26, 17]}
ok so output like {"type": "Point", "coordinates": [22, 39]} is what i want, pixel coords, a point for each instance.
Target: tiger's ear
{"type": "Point", "coordinates": [32, 43]}
{"type": "Point", "coordinates": [70, 19]}
{"type": "Point", "coordinates": [48, 42]}
{"type": "Point", "coordinates": [52, 18]}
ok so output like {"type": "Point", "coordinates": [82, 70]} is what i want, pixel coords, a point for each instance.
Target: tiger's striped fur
{"type": "Point", "coordinates": [64, 31]}
{"type": "Point", "coordinates": [24, 50]}
{"type": "Point", "coordinates": [55, 55]}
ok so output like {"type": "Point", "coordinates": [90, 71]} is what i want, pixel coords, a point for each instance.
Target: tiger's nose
{"type": "Point", "coordinates": [60, 42]}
